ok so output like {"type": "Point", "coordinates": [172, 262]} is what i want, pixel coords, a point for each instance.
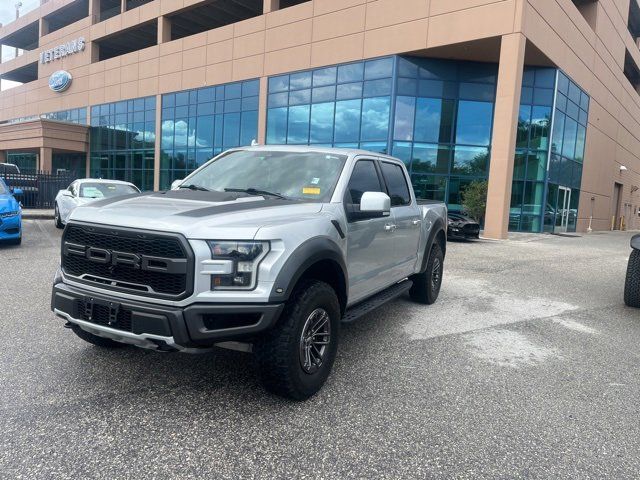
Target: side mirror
{"type": "Point", "coordinates": [17, 192]}
{"type": "Point", "coordinates": [176, 183]}
{"type": "Point", "coordinates": [67, 193]}
{"type": "Point", "coordinates": [373, 205]}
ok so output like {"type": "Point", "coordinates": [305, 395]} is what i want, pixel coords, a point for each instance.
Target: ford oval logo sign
{"type": "Point", "coordinates": [59, 81]}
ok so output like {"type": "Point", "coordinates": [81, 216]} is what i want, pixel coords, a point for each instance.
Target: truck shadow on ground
{"type": "Point", "coordinates": [222, 373]}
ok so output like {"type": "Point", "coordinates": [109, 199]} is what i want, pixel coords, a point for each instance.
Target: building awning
{"type": "Point", "coordinates": [31, 135]}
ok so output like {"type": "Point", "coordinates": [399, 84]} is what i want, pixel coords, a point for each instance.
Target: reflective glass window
{"type": "Point", "coordinates": [470, 161]}
{"type": "Point", "coordinates": [430, 158]}
{"type": "Point", "coordinates": [473, 126]}
{"type": "Point", "coordinates": [375, 118]}
{"type": "Point", "coordinates": [322, 116]}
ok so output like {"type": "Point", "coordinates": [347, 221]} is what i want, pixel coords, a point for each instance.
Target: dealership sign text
{"type": "Point", "coordinates": [74, 46]}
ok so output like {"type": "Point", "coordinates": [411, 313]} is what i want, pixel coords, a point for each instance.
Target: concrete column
{"type": "Point", "coordinates": [270, 6]}
{"type": "Point", "coordinates": [3, 156]}
{"type": "Point", "coordinates": [262, 111]}
{"type": "Point", "coordinates": [157, 152]}
{"type": "Point", "coordinates": [164, 30]}
{"type": "Point", "coordinates": [123, 6]}
{"type": "Point", "coordinates": [94, 11]}
{"type": "Point", "coordinates": [43, 27]}
{"type": "Point", "coordinates": [45, 160]}
{"type": "Point", "coordinates": [503, 142]}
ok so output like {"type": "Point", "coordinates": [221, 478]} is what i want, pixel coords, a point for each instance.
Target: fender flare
{"type": "Point", "coordinates": [304, 256]}
{"type": "Point", "coordinates": [437, 227]}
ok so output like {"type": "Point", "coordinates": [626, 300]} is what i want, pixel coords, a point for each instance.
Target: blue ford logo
{"type": "Point", "coordinates": [59, 81]}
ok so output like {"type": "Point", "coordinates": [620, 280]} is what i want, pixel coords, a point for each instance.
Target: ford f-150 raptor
{"type": "Point", "coordinates": [268, 247]}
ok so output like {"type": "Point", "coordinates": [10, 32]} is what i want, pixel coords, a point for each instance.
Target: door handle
{"type": "Point", "coordinates": [389, 227]}
{"type": "Point", "coordinates": [416, 221]}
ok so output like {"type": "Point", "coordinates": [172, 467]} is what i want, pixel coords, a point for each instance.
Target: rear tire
{"type": "Point", "coordinates": [56, 218]}
{"type": "Point", "coordinates": [426, 285]}
{"type": "Point", "coordinates": [95, 339]}
{"type": "Point", "coordinates": [296, 356]}
{"type": "Point", "coordinates": [632, 281]}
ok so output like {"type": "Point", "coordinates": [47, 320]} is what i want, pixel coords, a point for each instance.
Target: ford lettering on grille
{"type": "Point", "coordinates": [128, 260]}
{"type": "Point", "coordinates": [131, 260]}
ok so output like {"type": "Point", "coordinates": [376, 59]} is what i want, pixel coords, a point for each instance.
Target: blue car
{"type": "Point", "coordinates": [10, 215]}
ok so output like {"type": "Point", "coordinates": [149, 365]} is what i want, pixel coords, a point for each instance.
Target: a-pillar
{"type": "Point", "coordinates": [503, 142]}
{"type": "Point", "coordinates": [164, 30]}
{"type": "Point", "coordinates": [46, 159]}
{"type": "Point", "coordinates": [270, 6]}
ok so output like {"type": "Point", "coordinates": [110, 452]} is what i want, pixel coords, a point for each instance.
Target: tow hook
{"type": "Point", "coordinates": [68, 325]}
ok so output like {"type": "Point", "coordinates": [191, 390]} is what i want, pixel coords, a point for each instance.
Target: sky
{"type": "Point", "coordinates": [7, 15]}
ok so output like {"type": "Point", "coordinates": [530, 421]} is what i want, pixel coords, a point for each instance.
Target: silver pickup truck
{"type": "Point", "coordinates": [269, 248]}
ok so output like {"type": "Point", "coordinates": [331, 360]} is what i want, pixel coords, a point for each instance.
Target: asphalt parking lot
{"type": "Point", "coordinates": [526, 367]}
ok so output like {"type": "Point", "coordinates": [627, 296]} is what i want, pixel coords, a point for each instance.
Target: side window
{"type": "Point", "coordinates": [397, 184]}
{"type": "Point", "coordinates": [364, 178]}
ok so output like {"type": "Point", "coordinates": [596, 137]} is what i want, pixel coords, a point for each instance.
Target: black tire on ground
{"type": "Point", "coordinates": [426, 285]}
{"type": "Point", "coordinates": [95, 339]}
{"type": "Point", "coordinates": [289, 366]}
{"type": "Point", "coordinates": [56, 218]}
{"type": "Point", "coordinates": [632, 280]}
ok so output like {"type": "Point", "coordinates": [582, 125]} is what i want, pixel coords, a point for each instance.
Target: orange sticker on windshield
{"type": "Point", "coordinates": [310, 191]}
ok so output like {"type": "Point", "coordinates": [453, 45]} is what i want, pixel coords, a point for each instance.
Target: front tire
{"type": "Point", "coordinates": [56, 217]}
{"type": "Point", "coordinates": [296, 356]}
{"type": "Point", "coordinates": [95, 339]}
{"type": "Point", "coordinates": [426, 285]}
{"type": "Point", "coordinates": [632, 280]}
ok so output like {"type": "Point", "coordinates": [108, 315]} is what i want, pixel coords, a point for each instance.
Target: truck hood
{"type": "Point", "coordinates": [197, 215]}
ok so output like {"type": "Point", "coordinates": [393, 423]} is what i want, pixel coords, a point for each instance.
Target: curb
{"type": "Point", "coordinates": [37, 215]}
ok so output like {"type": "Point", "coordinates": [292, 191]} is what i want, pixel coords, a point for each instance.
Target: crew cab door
{"type": "Point", "coordinates": [369, 241]}
{"type": "Point", "coordinates": [406, 220]}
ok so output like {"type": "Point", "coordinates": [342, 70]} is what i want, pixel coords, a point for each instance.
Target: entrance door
{"type": "Point", "coordinates": [617, 190]}
{"type": "Point", "coordinates": [564, 209]}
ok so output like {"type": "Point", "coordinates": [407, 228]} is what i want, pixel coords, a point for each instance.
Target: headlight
{"type": "Point", "coordinates": [244, 257]}
{"type": "Point", "coordinates": [9, 214]}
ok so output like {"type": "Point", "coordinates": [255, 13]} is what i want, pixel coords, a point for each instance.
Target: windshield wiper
{"type": "Point", "coordinates": [198, 188]}
{"type": "Point", "coordinates": [255, 191]}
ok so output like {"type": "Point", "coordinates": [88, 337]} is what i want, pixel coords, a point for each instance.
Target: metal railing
{"type": "Point", "coordinates": [39, 189]}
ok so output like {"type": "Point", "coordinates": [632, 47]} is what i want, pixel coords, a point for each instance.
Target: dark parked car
{"type": "Point", "coordinates": [463, 227]}
{"type": "Point", "coordinates": [632, 280]}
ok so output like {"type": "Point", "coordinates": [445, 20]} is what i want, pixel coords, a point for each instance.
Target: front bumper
{"type": "Point", "coordinates": [161, 327]}
{"type": "Point", "coordinates": [10, 227]}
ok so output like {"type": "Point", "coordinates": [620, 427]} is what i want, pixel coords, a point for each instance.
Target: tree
{"type": "Point", "coordinates": [474, 199]}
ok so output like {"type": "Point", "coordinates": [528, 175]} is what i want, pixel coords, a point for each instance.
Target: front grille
{"type": "Point", "coordinates": [471, 228]}
{"type": "Point", "coordinates": [102, 315]}
{"type": "Point", "coordinates": [121, 275]}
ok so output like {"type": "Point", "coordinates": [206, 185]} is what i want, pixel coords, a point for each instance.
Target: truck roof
{"type": "Point", "coordinates": [310, 148]}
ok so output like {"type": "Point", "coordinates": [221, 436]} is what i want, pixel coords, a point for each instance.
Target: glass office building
{"type": "Point", "coordinates": [199, 124]}
{"type": "Point", "coordinates": [552, 126]}
{"type": "Point", "coordinates": [435, 115]}
{"type": "Point", "coordinates": [123, 141]}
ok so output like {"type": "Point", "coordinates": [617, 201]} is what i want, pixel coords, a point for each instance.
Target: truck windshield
{"type": "Point", "coordinates": [309, 176]}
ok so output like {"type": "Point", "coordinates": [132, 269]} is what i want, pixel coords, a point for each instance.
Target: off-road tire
{"type": "Point", "coordinates": [632, 280]}
{"type": "Point", "coordinates": [57, 219]}
{"type": "Point", "coordinates": [426, 287]}
{"type": "Point", "coordinates": [95, 339]}
{"type": "Point", "coordinates": [278, 351]}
